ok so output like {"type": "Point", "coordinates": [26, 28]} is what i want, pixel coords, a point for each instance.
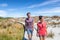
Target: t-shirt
{"type": "Point", "coordinates": [29, 23]}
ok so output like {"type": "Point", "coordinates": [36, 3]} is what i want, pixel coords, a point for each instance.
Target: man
{"type": "Point", "coordinates": [29, 25]}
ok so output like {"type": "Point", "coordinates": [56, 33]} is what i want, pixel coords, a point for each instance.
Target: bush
{"type": "Point", "coordinates": [50, 35]}
{"type": "Point", "coordinates": [5, 37]}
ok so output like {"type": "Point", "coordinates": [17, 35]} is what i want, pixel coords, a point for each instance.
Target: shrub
{"type": "Point", "coordinates": [50, 35]}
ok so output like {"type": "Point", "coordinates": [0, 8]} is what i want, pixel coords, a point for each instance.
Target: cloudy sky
{"type": "Point", "coordinates": [19, 8]}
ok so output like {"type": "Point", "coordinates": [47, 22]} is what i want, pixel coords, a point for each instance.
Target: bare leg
{"type": "Point", "coordinates": [30, 34]}
{"type": "Point", "coordinates": [43, 37]}
{"type": "Point", "coordinates": [29, 37]}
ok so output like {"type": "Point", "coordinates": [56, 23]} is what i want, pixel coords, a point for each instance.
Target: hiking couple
{"type": "Point", "coordinates": [41, 27]}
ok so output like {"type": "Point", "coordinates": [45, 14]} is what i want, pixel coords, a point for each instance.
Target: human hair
{"type": "Point", "coordinates": [40, 17]}
{"type": "Point", "coordinates": [28, 13]}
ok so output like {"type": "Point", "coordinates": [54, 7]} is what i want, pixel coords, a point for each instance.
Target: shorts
{"type": "Point", "coordinates": [29, 31]}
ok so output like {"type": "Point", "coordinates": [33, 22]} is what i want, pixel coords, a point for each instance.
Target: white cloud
{"type": "Point", "coordinates": [3, 13]}
{"type": "Point", "coordinates": [15, 15]}
{"type": "Point", "coordinates": [3, 5]}
{"type": "Point", "coordinates": [49, 12]}
{"type": "Point", "coordinates": [44, 3]}
{"type": "Point", "coordinates": [53, 10]}
{"type": "Point", "coordinates": [12, 9]}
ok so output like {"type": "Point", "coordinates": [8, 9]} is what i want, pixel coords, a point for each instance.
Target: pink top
{"type": "Point", "coordinates": [28, 23]}
{"type": "Point", "coordinates": [42, 28]}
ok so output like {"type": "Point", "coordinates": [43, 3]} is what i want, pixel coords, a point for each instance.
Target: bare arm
{"type": "Point", "coordinates": [33, 25]}
{"type": "Point", "coordinates": [25, 25]}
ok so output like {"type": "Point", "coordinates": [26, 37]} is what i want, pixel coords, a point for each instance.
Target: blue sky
{"type": "Point", "coordinates": [19, 8]}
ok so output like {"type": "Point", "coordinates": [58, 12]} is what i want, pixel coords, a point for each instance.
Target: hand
{"type": "Point", "coordinates": [33, 29]}
{"type": "Point", "coordinates": [46, 34]}
{"type": "Point", "coordinates": [37, 34]}
{"type": "Point", "coordinates": [25, 28]}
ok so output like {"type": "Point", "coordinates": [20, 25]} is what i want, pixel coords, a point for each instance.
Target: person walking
{"type": "Point", "coordinates": [29, 25]}
{"type": "Point", "coordinates": [41, 28]}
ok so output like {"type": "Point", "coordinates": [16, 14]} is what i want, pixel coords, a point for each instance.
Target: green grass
{"type": "Point", "coordinates": [12, 31]}
{"type": "Point", "coordinates": [5, 37]}
{"type": "Point", "coordinates": [12, 34]}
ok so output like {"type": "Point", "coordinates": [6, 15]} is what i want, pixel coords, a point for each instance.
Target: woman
{"type": "Point", "coordinates": [29, 26]}
{"type": "Point", "coordinates": [41, 31]}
